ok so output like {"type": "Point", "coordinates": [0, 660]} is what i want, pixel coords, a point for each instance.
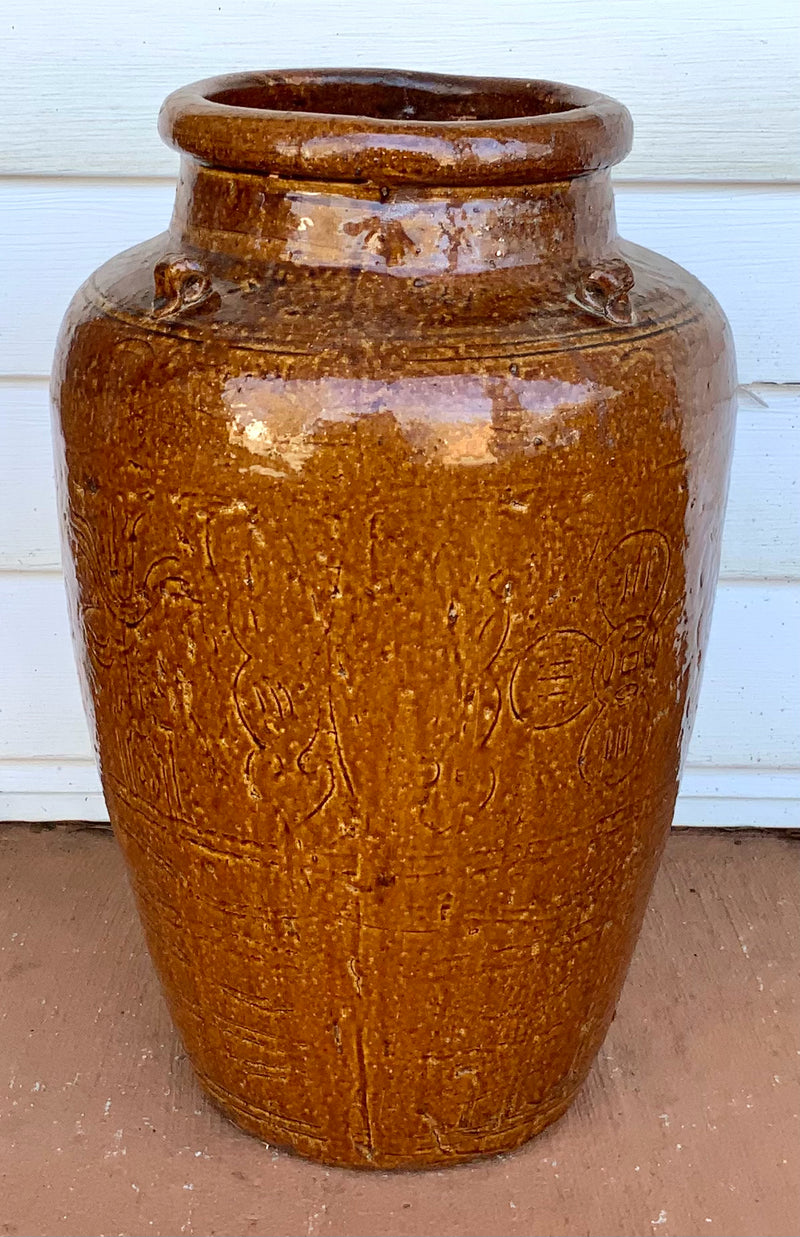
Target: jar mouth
{"type": "Point", "coordinates": [392, 127]}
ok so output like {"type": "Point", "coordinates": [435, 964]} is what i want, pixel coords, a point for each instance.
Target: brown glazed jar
{"type": "Point", "coordinates": [393, 484]}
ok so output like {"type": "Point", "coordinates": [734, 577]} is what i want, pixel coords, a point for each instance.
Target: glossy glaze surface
{"type": "Point", "coordinates": [394, 503]}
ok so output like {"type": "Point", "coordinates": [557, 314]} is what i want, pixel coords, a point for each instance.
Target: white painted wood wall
{"type": "Point", "coordinates": [713, 183]}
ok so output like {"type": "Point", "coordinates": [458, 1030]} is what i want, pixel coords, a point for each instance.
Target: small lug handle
{"type": "Point", "coordinates": [180, 283]}
{"type": "Point", "coordinates": [603, 289]}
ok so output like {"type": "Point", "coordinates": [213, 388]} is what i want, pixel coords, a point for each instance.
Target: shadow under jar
{"type": "Point", "coordinates": [393, 484]}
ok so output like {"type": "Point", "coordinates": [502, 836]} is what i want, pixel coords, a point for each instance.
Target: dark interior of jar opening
{"type": "Point", "coordinates": [384, 101]}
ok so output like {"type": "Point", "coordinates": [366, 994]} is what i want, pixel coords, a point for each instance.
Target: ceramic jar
{"type": "Point", "coordinates": [393, 484]}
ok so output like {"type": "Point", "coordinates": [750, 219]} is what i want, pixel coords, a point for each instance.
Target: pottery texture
{"type": "Point", "coordinates": [393, 484]}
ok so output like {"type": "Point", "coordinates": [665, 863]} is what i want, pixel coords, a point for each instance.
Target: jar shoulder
{"type": "Point", "coordinates": [658, 278]}
{"type": "Point", "coordinates": [364, 320]}
{"type": "Point", "coordinates": [477, 398]}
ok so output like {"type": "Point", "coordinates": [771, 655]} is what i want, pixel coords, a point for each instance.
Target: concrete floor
{"type": "Point", "coordinates": [688, 1123]}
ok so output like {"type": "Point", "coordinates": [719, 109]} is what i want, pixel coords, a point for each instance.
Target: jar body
{"type": "Point", "coordinates": [390, 612]}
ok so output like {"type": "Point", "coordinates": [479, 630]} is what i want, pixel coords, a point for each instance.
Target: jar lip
{"type": "Point", "coordinates": [389, 126]}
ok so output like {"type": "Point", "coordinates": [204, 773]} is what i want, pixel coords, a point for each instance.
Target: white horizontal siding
{"type": "Point", "coordinates": [728, 798]}
{"type": "Point", "coordinates": [42, 790]}
{"type": "Point", "coordinates": [714, 93]}
{"type": "Point", "coordinates": [762, 528]}
{"type": "Point", "coordinates": [749, 711]}
{"type": "Point", "coordinates": [762, 525]}
{"type": "Point", "coordinates": [733, 799]}
{"type": "Point", "coordinates": [713, 87]}
{"type": "Point", "coordinates": [29, 538]}
{"type": "Point", "coordinates": [743, 242]}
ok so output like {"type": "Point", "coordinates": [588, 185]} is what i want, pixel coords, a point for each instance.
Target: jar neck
{"type": "Point", "coordinates": [404, 231]}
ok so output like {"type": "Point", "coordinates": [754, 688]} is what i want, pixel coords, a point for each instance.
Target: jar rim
{"type": "Point", "coordinates": [389, 126]}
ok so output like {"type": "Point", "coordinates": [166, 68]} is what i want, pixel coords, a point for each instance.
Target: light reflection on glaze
{"type": "Point", "coordinates": [455, 421]}
{"type": "Point", "coordinates": [403, 238]}
{"type": "Point", "coordinates": [392, 231]}
{"type": "Point", "coordinates": [705, 484]}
